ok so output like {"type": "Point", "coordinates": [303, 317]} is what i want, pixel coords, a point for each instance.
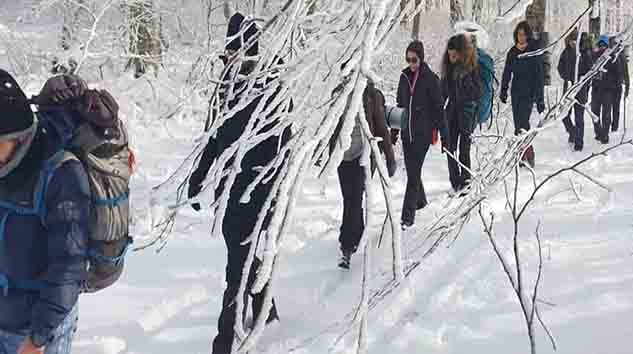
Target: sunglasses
{"type": "Point", "coordinates": [412, 60]}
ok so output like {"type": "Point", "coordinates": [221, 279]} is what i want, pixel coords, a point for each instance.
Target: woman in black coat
{"type": "Point", "coordinates": [461, 85]}
{"type": "Point", "coordinates": [528, 82]}
{"type": "Point", "coordinates": [420, 95]}
{"type": "Point", "coordinates": [567, 70]}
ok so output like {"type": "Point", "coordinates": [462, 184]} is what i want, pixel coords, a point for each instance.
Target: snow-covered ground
{"type": "Point", "coordinates": [457, 301]}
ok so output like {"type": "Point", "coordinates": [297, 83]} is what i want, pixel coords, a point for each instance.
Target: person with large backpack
{"type": "Point", "coordinates": [479, 39]}
{"type": "Point", "coordinates": [528, 83]}
{"type": "Point", "coordinates": [567, 70]}
{"type": "Point", "coordinates": [240, 218]}
{"type": "Point", "coordinates": [462, 89]}
{"type": "Point", "coordinates": [57, 225]}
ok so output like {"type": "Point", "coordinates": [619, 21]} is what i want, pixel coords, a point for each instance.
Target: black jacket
{"type": "Point", "coordinates": [567, 67]}
{"type": "Point", "coordinates": [461, 87]}
{"type": "Point", "coordinates": [567, 64]}
{"type": "Point", "coordinates": [463, 90]}
{"type": "Point", "coordinates": [613, 78]}
{"type": "Point", "coordinates": [239, 215]}
{"type": "Point", "coordinates": [425, 108]}
{"type": "Point", "coordinates": [624, 67]}
{"type": "Point", "coordinates": [527, 75]}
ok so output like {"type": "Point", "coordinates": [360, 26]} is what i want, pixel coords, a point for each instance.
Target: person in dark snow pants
{"type": "Point", "coordinates": [352, 175]}
{"type": "Point", "coordinates": [240, 218]}
{"type": "Point", "coordinates": [604, 90]}
{"type": "Point", "coordinates": [567, 71]}
{"type": "Point", "coordinates": [42, 259]}
{"type": "Point", "coordinates": [624, 80]}
{"type": "Point", "coordinates": [528, 82]}
{"type": "Point", "coordinates": [462, 87]}
{"type": "Point", "coordinates": [420, 94]}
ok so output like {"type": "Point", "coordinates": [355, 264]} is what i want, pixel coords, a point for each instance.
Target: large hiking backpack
{"type": "Point", "coordinates": [488, 80]}
{"type": "Point", "coordinates": [91, 133]}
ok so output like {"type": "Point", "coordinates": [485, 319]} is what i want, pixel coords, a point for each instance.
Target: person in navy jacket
{"type": "Point", "coordinates": [42, 263]}
{"type": "Point", "coordinates": [528, 82]}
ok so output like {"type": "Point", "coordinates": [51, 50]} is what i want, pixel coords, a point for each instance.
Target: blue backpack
{"type": "Point", "coordinates": [488, 80]}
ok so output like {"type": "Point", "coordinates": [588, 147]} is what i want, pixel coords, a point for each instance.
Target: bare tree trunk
{"type": "Point", "coordinates": [415, 32]}
{"type": "Point", "coordinates": [594, 20]}
{"type": "Point", "coordinates": [619, 15]}
{"type": "Point", "coordinates": [71, 15]}
{"type": "Point", "coordinates": [456, 12]}
{"type": "Point", "coordinates": [228, 9]}
{"type": "Point", "coordinates": [478, 9]}
{"type": "Point", "coordinates": [312, 9]}
{"type": "Point", "coordinates": [146, 45]}
{"type": "Point", "coordinates": [535, 15]}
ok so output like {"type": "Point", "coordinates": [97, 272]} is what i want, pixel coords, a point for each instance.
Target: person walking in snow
{"type": "Point", "coordinates": [604, 89]}
{"type": "Point", "coordinates": [419, 93]}
{"type": "Point", "coordinates": [462, 88]}
{"type": "Point", "coordinates": [625, 81]}
{"type": "Point", "coordinates": [42, 260]}
{"type": "Point", "coordinates": [528, 82]}
{"type": "Point", "coordinates": [351, 173]}
{"type": "Point", "coordinates": [569, 72]}
{"type": "Point", "coordinates": [240, 218]}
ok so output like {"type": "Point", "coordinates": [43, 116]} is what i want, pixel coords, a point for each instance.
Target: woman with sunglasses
{"type": "Point", "coordinates": [420, 95]}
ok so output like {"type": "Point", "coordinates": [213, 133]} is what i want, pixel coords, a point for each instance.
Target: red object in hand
{"type": "Point", "coordinates": [131, 161]}
{"type": "Point", "coordinates": [434, 137]}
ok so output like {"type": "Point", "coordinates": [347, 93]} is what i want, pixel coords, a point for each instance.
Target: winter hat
{"type": "Point", "coordinates": [17, 120]}
{"type": "Point", "coordinates": [235, 40]}
{"type": "Point", "coordinates": [16, 115]}
{"type": "Point", "coordinates": [603, 40]}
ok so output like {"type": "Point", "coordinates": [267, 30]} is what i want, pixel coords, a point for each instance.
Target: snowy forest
{"type": "Point", "coordinates": [519, 256]}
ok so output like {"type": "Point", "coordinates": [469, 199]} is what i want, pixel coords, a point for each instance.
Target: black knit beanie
{"type": "Point", "coordinates": [16, 115]}
{"type": "Point", "coordinates": [236, 24]}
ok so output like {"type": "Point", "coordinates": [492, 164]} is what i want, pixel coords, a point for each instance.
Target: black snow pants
{"type": "Point", "coordinates": [351, 176]}
{"type": "Point", "coordinates": [414, 196]}
{"type": "Point", "coordinates": [602, 101]}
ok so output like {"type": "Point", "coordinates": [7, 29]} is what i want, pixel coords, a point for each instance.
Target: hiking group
{"type": "Point", "coordinates": [65, 167]}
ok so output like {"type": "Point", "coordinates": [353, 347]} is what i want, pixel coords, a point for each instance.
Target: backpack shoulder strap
{"type": "Point", "coordinates": [50, 166]}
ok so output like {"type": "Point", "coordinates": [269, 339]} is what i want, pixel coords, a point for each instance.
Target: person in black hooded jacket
{"type": "Point", "coordinates": [240, 218]}
{"type": "Point", "coordinates": [625, 80]}
{"type": "Point", "coordinates": [528, 82]}
{"type": "Point", "coordinates": [567, 71]}
{"type": "Point", "coordinates": [420, 94]}
{"type": "Point", "coordinates": [462, 87]}
{"type": "Point", "coordinates": [604, 90]}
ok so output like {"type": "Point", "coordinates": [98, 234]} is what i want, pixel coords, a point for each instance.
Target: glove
{"type": "Point", "coordinates": [540, 107]}
{"type": "Point", "coordinates": [394, 136]}
{"type": "Point", "coordinates": [392, 167]}
{"type": "Point", "coordinates": [504, 97]}
{"type": "Point", "coordinates": [194, 190]}
{"type": "Point", "coordinates": [445, 146]}
{"type": "Point", "coordinates": [59, 89]}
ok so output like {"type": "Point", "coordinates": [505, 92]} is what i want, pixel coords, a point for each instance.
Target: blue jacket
{"type": "Point", "coordinates": [46, 250]}
{"type": "Point", "coordinates": [527, 75]}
